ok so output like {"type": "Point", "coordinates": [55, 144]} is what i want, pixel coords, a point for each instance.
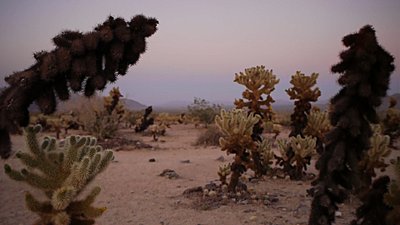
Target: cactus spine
{"type": "Point", "coordinates": [61, 171]}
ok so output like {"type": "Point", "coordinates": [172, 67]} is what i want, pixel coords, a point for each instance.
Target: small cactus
{"type": "Point", "coordinates": [223, 172]}
{"type": "Point", "coordinates": [317, 126]}
{"type": "Point", "coordinates": [302, 148]}
{"type": "Point", "coordinates": [375, 156]}
{"type": "Point", "coordinates": [236, 127]}
{"type": "Point", "coordinates": [61, 171]}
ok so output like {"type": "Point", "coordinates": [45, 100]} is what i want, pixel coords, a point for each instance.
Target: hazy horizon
{"type": "Point", "coordinates": [200, 45]}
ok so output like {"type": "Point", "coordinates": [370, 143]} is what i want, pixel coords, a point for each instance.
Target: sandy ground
{"type": "Point", "coordinates": [134, 193]}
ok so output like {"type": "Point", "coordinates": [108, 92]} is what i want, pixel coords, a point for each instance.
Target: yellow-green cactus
{"type": "Point", "coordinates": [223, 172]}
{"type": "Point", "coordinates": [318, 125]}
{"type": "Point", "coordinates": [236, 127]}
{"type": "Point", "coordinates": [61, 171]}
{"type": "Point", "coordinates": [303, 149]}
{"type": "Point", "coordinates": [304, 93]}
{"type": "Point", "coordinates": [392, 198]}
{"type": "Point", "coordinates": [265, 149]}
{"type": "Point", "coordinates": [375, 156]}
{"type": "Point", "coordinates": [259, 84]}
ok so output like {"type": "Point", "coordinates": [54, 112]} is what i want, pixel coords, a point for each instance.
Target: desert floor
{"type": "Point", "coordinates": [134, 193]}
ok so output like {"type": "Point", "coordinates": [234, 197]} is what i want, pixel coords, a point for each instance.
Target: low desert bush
{"type": "Point", "coordinates": [210, 137]}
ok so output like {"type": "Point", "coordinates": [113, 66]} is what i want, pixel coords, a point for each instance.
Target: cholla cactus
{"type": "Point", "coordinates": [223, 172]}
{"type": "Point", "coordinates": [302, 149]}
{"type": "Point", "coordinates": [111, 102]}
{"type": "Point", "coordinates": [392, 198]}
{"type": "Point", "coordinates": [365, 70]}
{"type": "Point", "coordinates": [264, 148]}
{"type": "Point", "coordinates": [304, 93]}
{"type": "Point", "coordinates": [257, 99]}
{"type": "Point", "coordinates": [237, 129]}
{"type": "Point", "coordinates": [317, 126]}
{"type": "Point", "coordinates": [80, 62]}
{"type": "Point", "coordinates": [391, 122]}
{"type": "Point", "coordinates": [143, 123]}
{"type": "Point", "coordinates": [375, 156]}
{"type": "Point", "coordinates": [259, 84]}
{"type": "Point", "coordinates": [61, 171]}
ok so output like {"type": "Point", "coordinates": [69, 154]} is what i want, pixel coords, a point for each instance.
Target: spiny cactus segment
{"type": "Point", "coordinates": [259, 84]}
{"type": "Point", "coordinates": [61, 171]}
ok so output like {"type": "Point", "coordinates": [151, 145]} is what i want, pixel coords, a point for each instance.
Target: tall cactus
{"type": "Point", "coordinates": [85, 61]}
{"type": "Point", "coordinates": [303, 93]}
{"type": "Point", "coordinates": [61, 171]}
{"type": "Point", "coordinates": [365, 72]}
{"type": "Point", "coordinates": [257, 98]}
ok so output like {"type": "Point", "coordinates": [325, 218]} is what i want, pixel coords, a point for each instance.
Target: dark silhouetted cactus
{"type": "Point", "coordinates": [145, 121]}
{"type": "Point", "coordinates": [365, 72]}
{"type": "Point", "coordinates": [62, 172]}
{"type": "Point", "coordinates": [111, 101]}
{"type": "Point", "coordinates": [80, 61]}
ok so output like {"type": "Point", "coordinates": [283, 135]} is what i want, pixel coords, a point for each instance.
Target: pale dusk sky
{"type": "Point", "coordinates": [200, 45]}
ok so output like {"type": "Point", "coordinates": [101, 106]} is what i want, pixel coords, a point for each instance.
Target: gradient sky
{"type": "Point", "coordinates": [200, 45]}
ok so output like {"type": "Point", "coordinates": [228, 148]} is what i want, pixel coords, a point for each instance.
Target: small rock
{"type": "Point", "coordinates": [171, 174]}
{"type": "Point", "coordinates": [152, 160]}
{"type": "Point", "coordinates": [253, 218]}
{"type": "Point", "coordinates": [221, 159]}
{"type": "Point", "coordinates": [193, 190]}
{"type": "Point", "coordinates": [185, 161]}
{"type": "Point", "coordinates": [338, 214]}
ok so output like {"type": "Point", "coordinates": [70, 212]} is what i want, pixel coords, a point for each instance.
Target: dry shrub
{"type": "Point", "coordinates": [210, 137]}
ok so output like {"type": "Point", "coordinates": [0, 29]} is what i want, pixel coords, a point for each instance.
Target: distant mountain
{"type": "Point", "coordinates": [76, 100]}
{"type": "Point", "coordinates": [132, 104]}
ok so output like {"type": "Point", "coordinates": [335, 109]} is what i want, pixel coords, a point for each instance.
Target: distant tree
{"type": "Point", "coordinates": [204, 110]}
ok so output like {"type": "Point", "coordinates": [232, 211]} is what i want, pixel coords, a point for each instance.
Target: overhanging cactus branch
{"type": "Point", "coordinates": [80, 62]}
